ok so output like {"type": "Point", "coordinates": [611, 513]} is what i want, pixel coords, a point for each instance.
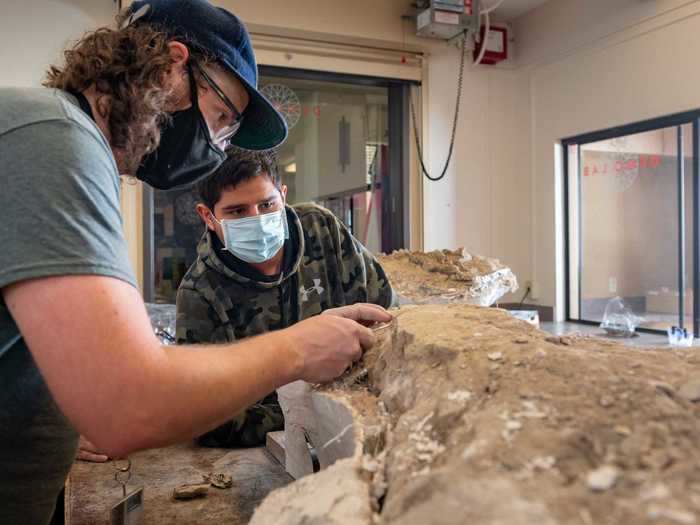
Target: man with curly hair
{"type": "Point", "coordinates": [160, 98]}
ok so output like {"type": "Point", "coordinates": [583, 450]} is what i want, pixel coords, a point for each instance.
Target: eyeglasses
{"type": "Point", "coordinates": [226, 133]}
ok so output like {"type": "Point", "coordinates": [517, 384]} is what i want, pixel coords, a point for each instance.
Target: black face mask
{"type": "Point", "coordinates": [186, 153]}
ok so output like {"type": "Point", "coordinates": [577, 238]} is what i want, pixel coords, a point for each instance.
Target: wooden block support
{"type": "Point", "coordinates": [295, 400]}
{"type": "Point", "coordinates": [275, 446]}
{"type": "Point", "coordinates": [318, 419]}
{"type": "Point", "coordinates": [335, 429]}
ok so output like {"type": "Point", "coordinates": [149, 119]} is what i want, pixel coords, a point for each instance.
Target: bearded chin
{"type": "Point", "coordinates": [127, 164]}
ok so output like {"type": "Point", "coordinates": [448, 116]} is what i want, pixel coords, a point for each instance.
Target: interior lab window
{"type": "Point", "coordinates": [629, 214]}
{"type": "Point", "coordinates": [342, 132]}
{"type": "Point", "coordinates": [337, 151]}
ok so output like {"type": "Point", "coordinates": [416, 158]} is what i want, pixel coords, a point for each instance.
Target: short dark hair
{"type": "Point", "coordinates": [238, 167]}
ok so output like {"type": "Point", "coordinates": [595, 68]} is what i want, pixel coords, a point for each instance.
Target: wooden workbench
{"type": "Point", "coordinates": [91, 490]}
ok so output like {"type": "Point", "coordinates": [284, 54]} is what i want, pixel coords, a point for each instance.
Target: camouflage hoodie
{"type": "Point", "coordinates": [216, 303]}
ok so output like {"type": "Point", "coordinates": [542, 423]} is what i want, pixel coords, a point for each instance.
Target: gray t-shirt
{"type": "Point", "coordinates": [59, 215]}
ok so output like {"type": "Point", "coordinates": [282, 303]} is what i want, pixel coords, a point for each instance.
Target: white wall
{"type": "Point", "coordinates": [594, 64]}
{"type": "Point", "coordinates": [380, 20]}
{"type": "Point", "coordinates": [483, 204]}
{"type": "Point", "coordinates": [33, 34]}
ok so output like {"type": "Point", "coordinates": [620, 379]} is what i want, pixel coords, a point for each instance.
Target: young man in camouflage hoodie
{"type": "Point", "coordinates": [264, 266]}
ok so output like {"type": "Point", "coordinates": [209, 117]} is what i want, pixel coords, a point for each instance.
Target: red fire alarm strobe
{"type": "Point", "coordinates": [496, 45]}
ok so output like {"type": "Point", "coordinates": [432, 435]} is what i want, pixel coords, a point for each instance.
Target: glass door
{"type": "Point", "coordinates": [630, 223]}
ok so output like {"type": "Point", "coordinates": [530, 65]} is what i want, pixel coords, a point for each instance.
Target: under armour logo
{"type": "Point", "coordinates": [305, 292]}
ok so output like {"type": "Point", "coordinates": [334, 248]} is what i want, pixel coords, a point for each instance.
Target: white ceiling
{"type": "Point", "coordinates": [511, 9]}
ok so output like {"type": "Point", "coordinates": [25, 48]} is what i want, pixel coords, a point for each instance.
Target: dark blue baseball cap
{"type": "Point", "coordinates": [221, 34]}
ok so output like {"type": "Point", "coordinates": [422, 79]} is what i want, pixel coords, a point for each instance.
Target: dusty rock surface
{"type": "Point", "coordinates": [335, 496]}
{"type": "Point", "coordinates": [91, 490]}
{"type": "Point", "coordinates": [445, 276]}
{"type": "Point", "coordinates": [491, 421]}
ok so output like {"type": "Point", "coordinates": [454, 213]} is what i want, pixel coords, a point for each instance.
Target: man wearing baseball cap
{"type": "Point", "coordinates": [160, 98]}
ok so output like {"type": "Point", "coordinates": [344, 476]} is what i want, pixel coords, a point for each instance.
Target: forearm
{"type": "Point", "coordinates": [186, 391]}
{"type": "Point", "coordinates": [93, 343]}
{"type": "Point", "coordinates": [92, 340]}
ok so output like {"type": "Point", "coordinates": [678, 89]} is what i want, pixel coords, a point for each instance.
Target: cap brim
{"type": "Point", "coordinates": [263, 126]}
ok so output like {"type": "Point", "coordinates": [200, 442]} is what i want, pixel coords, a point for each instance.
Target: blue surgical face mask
{"type": "Point", "coordinates": [255, 239]}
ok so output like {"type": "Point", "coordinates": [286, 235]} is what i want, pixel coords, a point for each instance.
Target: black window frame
{"type": "Point", "coordinates": [677, 120]}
